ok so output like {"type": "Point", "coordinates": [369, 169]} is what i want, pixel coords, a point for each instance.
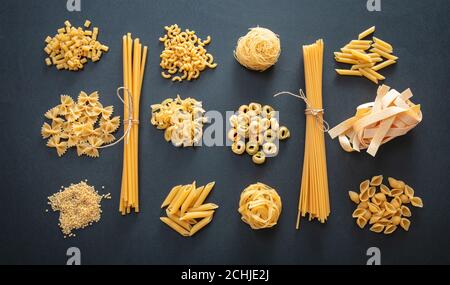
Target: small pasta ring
{"type": "Point", "coordinates": [259, 157]}
{"type": "Point", "coordinates": [274, 125]}
{"type": "Point", "coordinates": [233, 135]}
{"type": "Point", "coordinates": [252, 148]}
{"type": "Point", "coordinates": [243, 109]}
{"type": "Point", "coordinates": [238, 147]}
{"type": "Point", "coordinates": [270, 148]}
{"type": "Point", "coordinates": [255, 107]}
{"type": "Point", "coordinates": [267, 110]}
{"type": "Point", "coordinates": [283, 133]}
{"type": "Point", "coordinates": [270, 136]}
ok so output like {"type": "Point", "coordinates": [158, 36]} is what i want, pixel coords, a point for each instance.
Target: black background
{"type": "Point", "coordinates": [30, 172]}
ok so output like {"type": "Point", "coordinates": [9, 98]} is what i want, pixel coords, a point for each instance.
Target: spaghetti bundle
{"type": "Point", "coordinates": [134, 58]}
{"type": "Point", "coordinates": [314, 198]}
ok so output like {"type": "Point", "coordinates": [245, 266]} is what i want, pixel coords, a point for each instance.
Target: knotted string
{"type": "Point", "coordinates": [309, 111]}
{"type": "Point", "coordinates": [128, 122]}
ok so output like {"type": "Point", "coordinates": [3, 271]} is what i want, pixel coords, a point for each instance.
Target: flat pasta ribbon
{"type": "Point", "coordinates": [391, 115]}
{"type": "Point", "coordinates": [260, 206]}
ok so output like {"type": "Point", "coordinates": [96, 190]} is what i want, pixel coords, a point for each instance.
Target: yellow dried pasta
{"type": "Point", "coordinates": [71, 47]}
{"type": "Point", "coordinates": [386, 210]}
{"type": "Point", "coordinates": [182, 120]}
{"type": "Point", "coordinates": [392, 114]}
{"type": "Point", "coordinates": [184, 55]}
{"type": "Point", "coordinates": [186, 212]}
{"type": "Point", "coordinates": [363, 54]}
{"type": "Point", "coordinates": [84, 124]}
{"type": "Point", "coordinates": [260, 206]}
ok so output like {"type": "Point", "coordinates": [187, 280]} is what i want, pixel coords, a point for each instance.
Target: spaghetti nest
{"type": "Point", "coordinates": [258, 50]}
{"type": "Point", "coordinates": [260, 206]}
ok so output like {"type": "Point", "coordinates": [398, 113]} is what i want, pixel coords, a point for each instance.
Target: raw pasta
{"type": "Point", "coordinates": [184, 54]}
{"type": "Point", "coordinates": [182, 120]}
{"type": "Point", "coordinates": [255, 129]}
{"type": "Point", "coordinates": [258, 50]}
{"type": "Point", "coordinates": [392, 114]}
{"type": "Point", "coordinates": [134, 60]}
{"type": "Point", "coordinates": [186, 211]}
{"type": "Point", "coordinates": [84, 124]}
{"type": "Point", "coordinates": [366, 57]}
{"type": "Point", "coordinates": [385, 211]}
{"type": "Point", "coordinates": [71, 47]}
{"type": "Point", "coordinates": [260, 206]}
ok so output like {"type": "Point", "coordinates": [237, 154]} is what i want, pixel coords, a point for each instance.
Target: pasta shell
{"type": "Point", "coordinates": [374, 208]}
{"type": "Point", "coordinates": [364, 196]}
{"type": "Point", "coordinates": [395, 220]}
{"type": "Point", "coordinates": [377, 228]}
{"type": "Point", "coordinates": [390, 208]}
{"type": "Point", "coordinates": [396, 203]}
{"type": "Point", "coordinates": [363, 205]}
{"type": "Point", "coordinates": [405, 223]}
{"type": "Point", "coordinates": [367, 215]}
{"type": "Point", "coordinates": [371, 191]}
{"type": "Point", "coordinates": [376, 180]}
{"type": "Point", "coordinates": [380, 197]}
{"type": "Point", "coordinates": [384, 221]}
{"type": "Point", "coordinates": [417, 202]}
{"type": "Point", "coordinates": [375, 218]}
{"type": "Point", "coordinates": [358, 212]}
{"type": "Point", "coordinates": [405, 199]}
{"type": "Point", "coordinates": [394, 183]}
{"type": "Point", "coordinates": [364, 186]}
{"type": "Point", "coordinates": [409, 191]}
{"type": "Point", "coordinates": [361, 222]}
{"type": "Point", "coordinates": [353, 196]}
{"type": "Point", "coordinates": [396, 192]}
{"type": "Point", "coordinates": [385, 190]}
{"type": "Point", "coordinates": [405, 211]}
{"type": "Point", "coordinates": [389, 229]}
{"type": "Point", "coordinates": [375, 201]}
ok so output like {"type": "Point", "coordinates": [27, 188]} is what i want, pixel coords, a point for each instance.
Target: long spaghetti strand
{"type": "Point", "coordinates": [314, 197]}
{"type": "Point", "coordinates": [134, 59]}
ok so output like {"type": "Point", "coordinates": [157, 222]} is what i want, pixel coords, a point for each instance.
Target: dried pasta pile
{"type": "Point", "coordinates": [385, 210]}
{"type": "Point", "coordinates": [258, 50]}
{"type": "Point", "coordinates": [254, 126]}
{"type": "Point", "coordinates": [314, 196]}
{"type": "Point", "coordinates": [84, 124]}
{"type": "Point", "coordinates": [71, 47]}
{"type": "Point", "coordinates": [186, 211]}
{"type": "Point", "coordinates": [134, 59]}
{"type": "Point", "coordinates": [182, 120]}
{"type": "Point", "coordinates": [78, 206]}
{"type": "Point", "coordinates": [184, 55]}
{"type": "Point", "coordinates": [392, 114]}
{"type": "Point", "coordinates": [260, 206]}
{"type": "Point", "coordinates": [366, 56]}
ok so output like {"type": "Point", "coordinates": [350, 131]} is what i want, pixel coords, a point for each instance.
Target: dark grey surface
{"type": "Point", "coordinates": [31, 171]}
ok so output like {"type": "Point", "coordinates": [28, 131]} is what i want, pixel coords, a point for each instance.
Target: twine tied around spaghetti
{"type": "Point", "coordinates": [317, 113]}
{"type": "Point", "coordinates": [126, 122]}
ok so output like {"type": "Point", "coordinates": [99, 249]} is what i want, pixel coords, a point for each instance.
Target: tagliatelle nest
{"type": "Point", "coordinates": [260, 206]}
{"type": "Point", "coordinates": [258, 50]}
{"type": "Point", "coordinates": [84, 124]}
{"type": "Point", "coordinates": [181, 119]}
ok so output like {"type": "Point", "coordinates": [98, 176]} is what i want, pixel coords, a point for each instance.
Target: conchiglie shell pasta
{"type": "Point", "coordinates": [405, 223]}
{"type": "Point", "coordinates": [416, 202]}
{"type": "Point", "coordinates": [376, 180]}
{"type": "Point", "coordinates": [389, 229]}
